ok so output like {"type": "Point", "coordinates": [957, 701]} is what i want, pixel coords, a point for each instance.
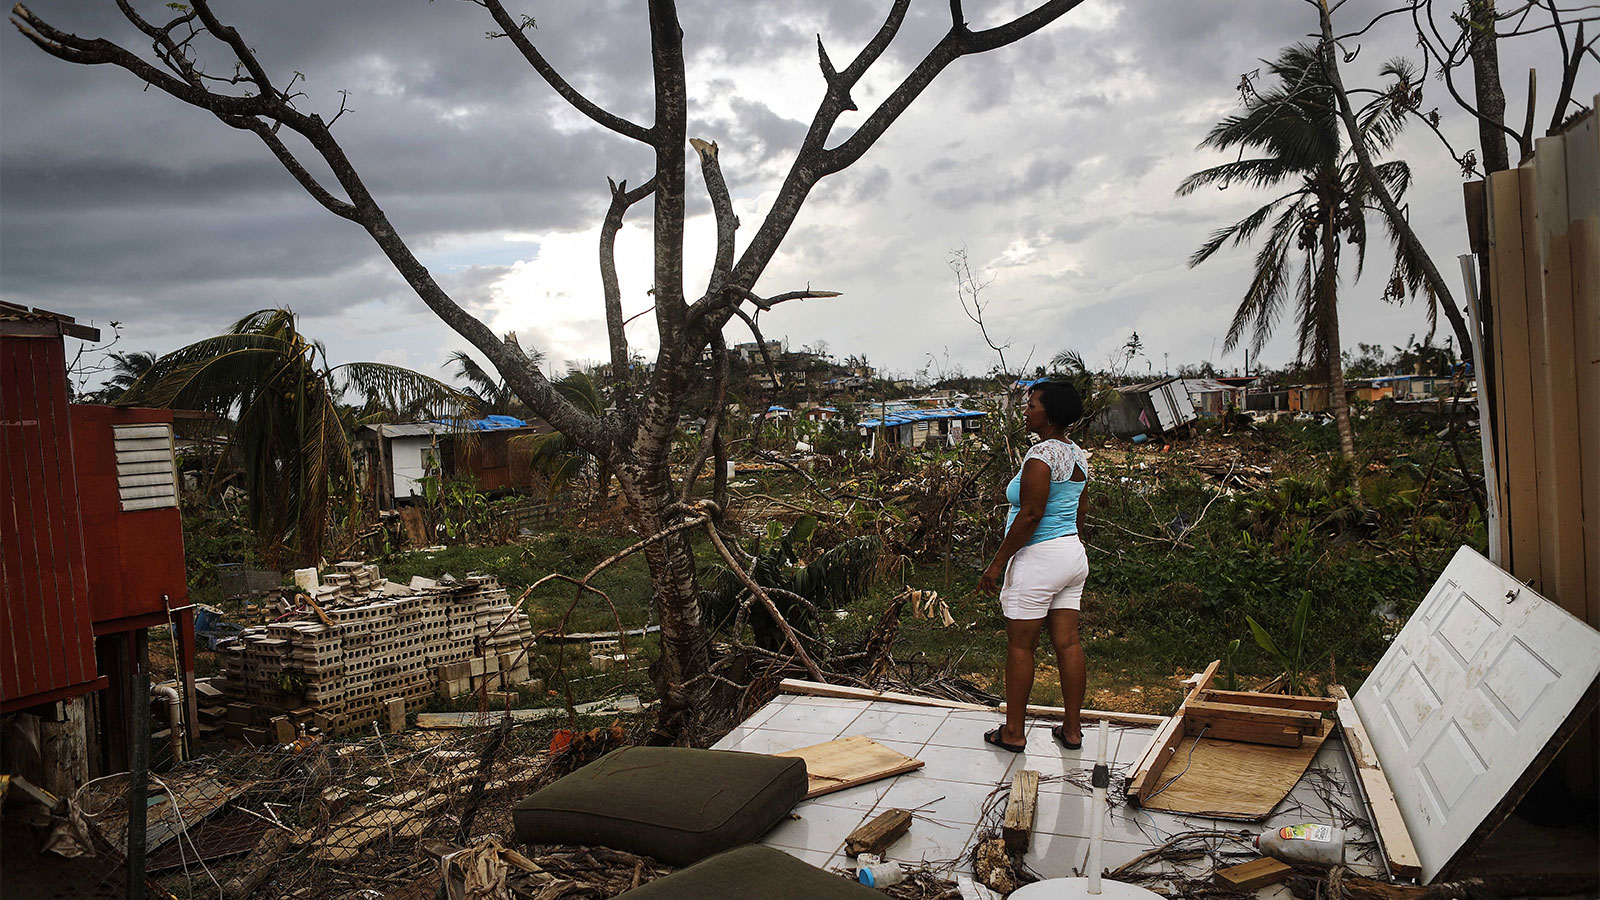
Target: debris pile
{"type": "Point", "coordinates": [364, 643]}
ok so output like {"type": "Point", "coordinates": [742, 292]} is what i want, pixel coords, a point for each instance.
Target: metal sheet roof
{"type": "Point", "coordinates": [909, 416]}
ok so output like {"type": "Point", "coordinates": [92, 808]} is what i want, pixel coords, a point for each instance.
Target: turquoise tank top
{"type": "Point", "coordinates": [1061, 509]}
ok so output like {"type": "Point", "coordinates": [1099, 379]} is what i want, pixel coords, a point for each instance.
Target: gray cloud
{"type": "Point", "coordinates": [1054, 161]}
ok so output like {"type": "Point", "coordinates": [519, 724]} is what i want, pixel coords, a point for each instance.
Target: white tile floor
{"type": "Point", "coordinates": [960, 773]}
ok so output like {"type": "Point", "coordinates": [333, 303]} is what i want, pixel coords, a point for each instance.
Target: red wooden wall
{"type": "Point", "coordinates": [48, 647]}
{"type": "Point", "coordinates": [136, 556]}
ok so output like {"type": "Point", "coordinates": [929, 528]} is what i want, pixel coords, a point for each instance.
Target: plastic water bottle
{"type": "Point", "coordinates": [1308, 842]}
{"type": "Point", "coordinates": [874, 872]}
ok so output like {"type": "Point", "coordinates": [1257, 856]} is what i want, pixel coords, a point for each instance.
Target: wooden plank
{"type": "Point", "coordinates": [1276, 701]}
{"type": "Point", "coordinates": [801, 687]}
{"type": "Point", "coordinates": [1021, 806]}
{"type": "Point", "coordinates": [849, 761]}
{"type": "Point", "coordinates": [1257, 873]}
{"type": "Point", "coordinates": [1164, 743]}
{"type": "Point", "coordinates": [1583, 244]}
{"type": "Point", "coordinates": [1507, 261]}
{"type": "Point", "coordinates": [1491, 311]}
{"type": "Point", "coordinates": [1583, 239]}
{"type": "Point", "coordinates": [1531, 181]}
{"type": "Point", "coordinates": [875, 836]}
{"type": "Point", "coordinates": [1387, 822]}
{"type": "Point", "coordinates": [1561, 470]}
{"type": "Point", "coordinates": [1248, 732]}
{"type": "Point", "coordinates": [1305, 721]}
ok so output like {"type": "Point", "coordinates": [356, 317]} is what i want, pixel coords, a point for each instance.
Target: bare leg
{"type": "Point", "coordinates": [1022, 637]}
{"type": "Point", "coordinates": [1074, 669]}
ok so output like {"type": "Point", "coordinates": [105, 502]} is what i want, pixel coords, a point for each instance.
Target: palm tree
{"type": "Point", "coordinates": [128, 367]}
{"type": "Point", "coordinates": [1295, 126]}
{"type": "Point", "coordinates": [557, 457]}
{"type": "Point", "coordinates": [493, 395]}
{"type": "Point", "coordinates": [289, 435]}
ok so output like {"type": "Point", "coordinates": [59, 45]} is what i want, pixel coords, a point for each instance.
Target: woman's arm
{"type": "Point", "coordinates": [1035, 494]}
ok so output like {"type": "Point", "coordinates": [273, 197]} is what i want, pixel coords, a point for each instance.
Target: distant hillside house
{"type": "Point", "coordinates": [917, 428]}
{"type": "Point", "coordinates": [395, 458]}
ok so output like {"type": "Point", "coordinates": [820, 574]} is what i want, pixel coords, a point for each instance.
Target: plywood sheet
{"type": "Point", "coordinates": [849, 761]}
{"type": "Point", "coordinates": [1231, 780]}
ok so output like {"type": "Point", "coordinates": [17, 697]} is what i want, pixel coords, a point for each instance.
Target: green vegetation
{"type": "Point", "coordinates": [1187, 548]}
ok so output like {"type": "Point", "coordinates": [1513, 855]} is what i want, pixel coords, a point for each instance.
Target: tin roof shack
{"type": "Point", "coordinates": [1211, 397]}
{"type": "Point", "coordinates": [1154, 407]}
{"type": "Point", "coordinates": [93, 556]}
{"type": "Point", "coordinates": [395, 458]}
{"type": "Point", "coordinates": [916, 428]}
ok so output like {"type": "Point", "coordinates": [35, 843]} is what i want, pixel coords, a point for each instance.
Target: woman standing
{"type": "Point", "coordinates": [1043, 563]}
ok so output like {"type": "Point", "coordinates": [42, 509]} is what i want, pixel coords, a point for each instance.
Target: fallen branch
{"type": "Point", "coordinates": [766, 601]}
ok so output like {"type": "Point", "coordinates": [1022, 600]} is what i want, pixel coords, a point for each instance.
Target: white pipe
{"type": "Point", "coordinates": [1097, 813]}
{"type": "Point", "coordinates": [174, 717]}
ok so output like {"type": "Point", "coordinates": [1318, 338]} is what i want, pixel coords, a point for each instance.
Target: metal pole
{"type": "Point", "coordinates": [139, 765]}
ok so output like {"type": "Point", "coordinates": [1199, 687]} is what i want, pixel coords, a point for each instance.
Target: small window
{"type": "Point", "coordinates": [147, 474]}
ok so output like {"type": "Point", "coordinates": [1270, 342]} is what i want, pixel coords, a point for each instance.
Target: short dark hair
{"type": "Point", "coordinates": [1062, 405]}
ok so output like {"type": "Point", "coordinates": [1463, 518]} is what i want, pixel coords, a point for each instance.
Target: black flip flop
{"type": "Point", "coordinates": [993, 738]}
{"type": "Point", "coordinates": [1060, 734]}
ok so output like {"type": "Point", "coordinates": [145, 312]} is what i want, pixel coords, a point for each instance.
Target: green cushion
{"type": "Point", "coordinates": [752, 871]}
{"type": "Point", "coordinates": [676, 804]}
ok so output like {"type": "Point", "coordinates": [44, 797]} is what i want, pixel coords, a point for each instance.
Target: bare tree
{"type": "Point", "coordinates": [636, 437]}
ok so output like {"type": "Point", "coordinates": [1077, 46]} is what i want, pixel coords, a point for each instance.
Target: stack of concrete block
{"type": "Point", "coordinates": [382, 642]}
{"type": "Point", "coordinates": [607, 655]}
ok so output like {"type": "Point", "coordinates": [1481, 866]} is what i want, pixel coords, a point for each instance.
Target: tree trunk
{"type": "Point", "coordinates": [1483, 47]}
{"type": "Point", "coordinates": [1330, 323]}
{"type": "Point", "coordinates": [685, 644]}
{"type": "Point", "coordinates": [1398, 223]}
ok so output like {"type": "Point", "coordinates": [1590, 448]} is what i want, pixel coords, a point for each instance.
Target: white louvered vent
{"type": "Point", "coordinates": [146, 474]}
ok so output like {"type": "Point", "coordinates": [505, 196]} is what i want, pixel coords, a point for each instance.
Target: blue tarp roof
{"type": "Point", "coordinates": [908, 416]}
{"type": "Point", "coordinates": [491, 423]}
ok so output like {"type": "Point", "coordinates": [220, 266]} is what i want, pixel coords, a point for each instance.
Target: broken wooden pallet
{"type": "Point", "coordinates": [1234, 719]}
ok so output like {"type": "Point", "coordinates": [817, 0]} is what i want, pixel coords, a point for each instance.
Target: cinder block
{"type": "Point", "coordinates": [241, 713]}
{"type": "Point", "coordinates": [282, 730]}
{"type": "Point", "coordinates": [394, 714]}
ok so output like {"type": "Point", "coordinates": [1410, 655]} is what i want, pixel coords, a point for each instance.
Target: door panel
{"type": "Point", "coordinates": [1467, 695]}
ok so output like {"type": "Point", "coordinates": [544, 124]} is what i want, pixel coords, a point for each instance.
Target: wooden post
{"type": "Point", "coordinates": [875, 836]}
{"type": "Point", "coordinates": [139, 764]}
{"type": "Point", "coordinates": [64, 749]}
{"type": "Point", "coordinates": [1017, 829]}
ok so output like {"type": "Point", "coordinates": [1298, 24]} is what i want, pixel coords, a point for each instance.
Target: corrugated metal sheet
{"type": "Point", "coordinates": [909, 416]}
{"type": "Point", "coordinates": [44, 615]}
{"type": "Point", "coordinates": [133, 530]}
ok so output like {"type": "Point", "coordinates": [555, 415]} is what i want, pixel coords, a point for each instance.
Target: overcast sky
{"type": "Point", "coordinates": [1053, 162]}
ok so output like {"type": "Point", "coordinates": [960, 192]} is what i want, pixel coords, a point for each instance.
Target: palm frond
{"type": "Point", "coordinates": [404, 392]}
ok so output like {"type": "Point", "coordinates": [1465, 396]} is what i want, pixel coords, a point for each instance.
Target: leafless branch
{"type": "Point", "coordinates": [765, 304]}
{"type": "Point", "coordinates": [264, 113]}
{"type": "Point", "coordinates": [517, 33]}
{"type": "Point", "coordinates": [722, 208]}
{"type": "Point", "coordinates": [766, 601]}
{"type": "Point", "coordinates": [621, 200]}
{"type": "Point", "coordinates": [709, 434]}
{"type": "Point", "coordinates": [761, 344]}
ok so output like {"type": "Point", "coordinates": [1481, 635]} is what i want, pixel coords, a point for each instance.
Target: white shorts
{"type": "Point", "coordinates": [1045, 576]}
